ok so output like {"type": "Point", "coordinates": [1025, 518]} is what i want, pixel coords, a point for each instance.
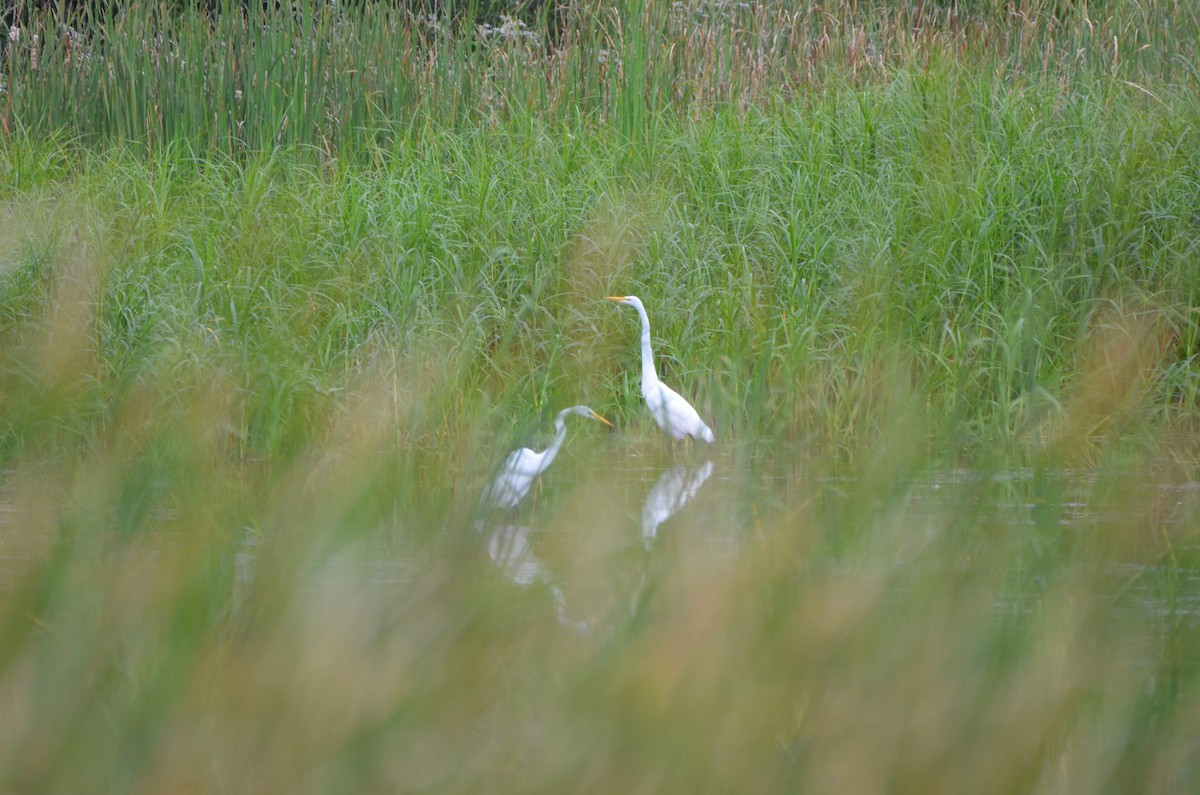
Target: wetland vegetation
{"type": "Point", "coordinates": [280, 288]}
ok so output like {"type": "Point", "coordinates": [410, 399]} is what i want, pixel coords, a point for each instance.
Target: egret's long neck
{"type": "Point", "coordinates": [649, 376]}
{"type": "Point", "coordinates": [560, 425]}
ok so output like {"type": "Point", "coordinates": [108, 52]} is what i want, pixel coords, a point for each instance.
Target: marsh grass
{"type": "Point", "coordinates": [248, 410]}
{"type": "Point", "coordinates": [783, 254]}
{"type": "Point", "coordinates": [930, 273]}
{"type": "Point", "coordinates": [351, 79]}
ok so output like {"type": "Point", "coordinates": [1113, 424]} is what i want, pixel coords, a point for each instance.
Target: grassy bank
{"type": "Point", "coordinates": [986, 234]}
{"type": "Point", "coordinates": [930, 275]}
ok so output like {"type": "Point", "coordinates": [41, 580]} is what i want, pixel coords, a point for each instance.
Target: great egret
{"type": "Point", "coordinates": [668, 408]}
{"type": "Point", "coordinates": [523, 466]}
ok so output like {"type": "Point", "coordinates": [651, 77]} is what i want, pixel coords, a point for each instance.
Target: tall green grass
{"type": "Point", "coordinates": [929, 273]}
{"type": "Point", "coordinates": [346, 79]}
{"type": "Point", "coordinates": [983, 232]}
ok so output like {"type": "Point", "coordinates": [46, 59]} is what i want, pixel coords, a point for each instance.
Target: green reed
{"type": "Point", "coordinates": [344, 79]}
{"type": "Point", "coordinates": [986, 232]}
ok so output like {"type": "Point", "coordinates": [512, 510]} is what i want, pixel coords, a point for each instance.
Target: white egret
{"type": "Point", "coordinates": [668, 408]}
{"type": "Point", "coordinates": [522, 466]}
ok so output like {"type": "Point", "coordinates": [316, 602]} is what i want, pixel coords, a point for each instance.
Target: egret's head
{"type": "Point", "coordinates": [631, 300]}
{"type": "Point", "coordinates": [584, 411]}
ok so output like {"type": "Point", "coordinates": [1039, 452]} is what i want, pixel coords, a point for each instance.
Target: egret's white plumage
{"type": "Point", "coordinates": [668, 408]}
{"type": "Point", "coordinates": [522, 466]}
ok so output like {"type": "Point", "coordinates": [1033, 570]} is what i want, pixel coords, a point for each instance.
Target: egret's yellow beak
{"type": "Point", "coordinates": [614, 298]}
{"type": "Point", "coordinates": [606, 422]}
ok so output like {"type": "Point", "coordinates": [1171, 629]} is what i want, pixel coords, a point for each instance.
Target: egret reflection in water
{"type": "Point", "coordinates": [675, 488]}
{"type": "Point", "coordinates": [508, 547]}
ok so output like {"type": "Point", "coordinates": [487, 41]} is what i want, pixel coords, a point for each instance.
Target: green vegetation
{"type": "Point", "coordinates": [279, 288]}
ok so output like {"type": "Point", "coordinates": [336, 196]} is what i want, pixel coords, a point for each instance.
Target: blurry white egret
{"type": "Point", "coordinates": [668, 408]}
{"type": "Point", "coordinates": [523, 466]}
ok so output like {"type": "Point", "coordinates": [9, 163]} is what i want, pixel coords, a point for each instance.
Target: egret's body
{"type": "Point", "coordinates": [522, 466]}
{"type": "Point", "coordinates": [669, 409]}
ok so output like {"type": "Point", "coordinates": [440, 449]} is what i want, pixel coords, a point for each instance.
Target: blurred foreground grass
{"type": "Point", "coordinates": [244, 433]}
{"type": "Point", "coordinates": [174, 619]}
